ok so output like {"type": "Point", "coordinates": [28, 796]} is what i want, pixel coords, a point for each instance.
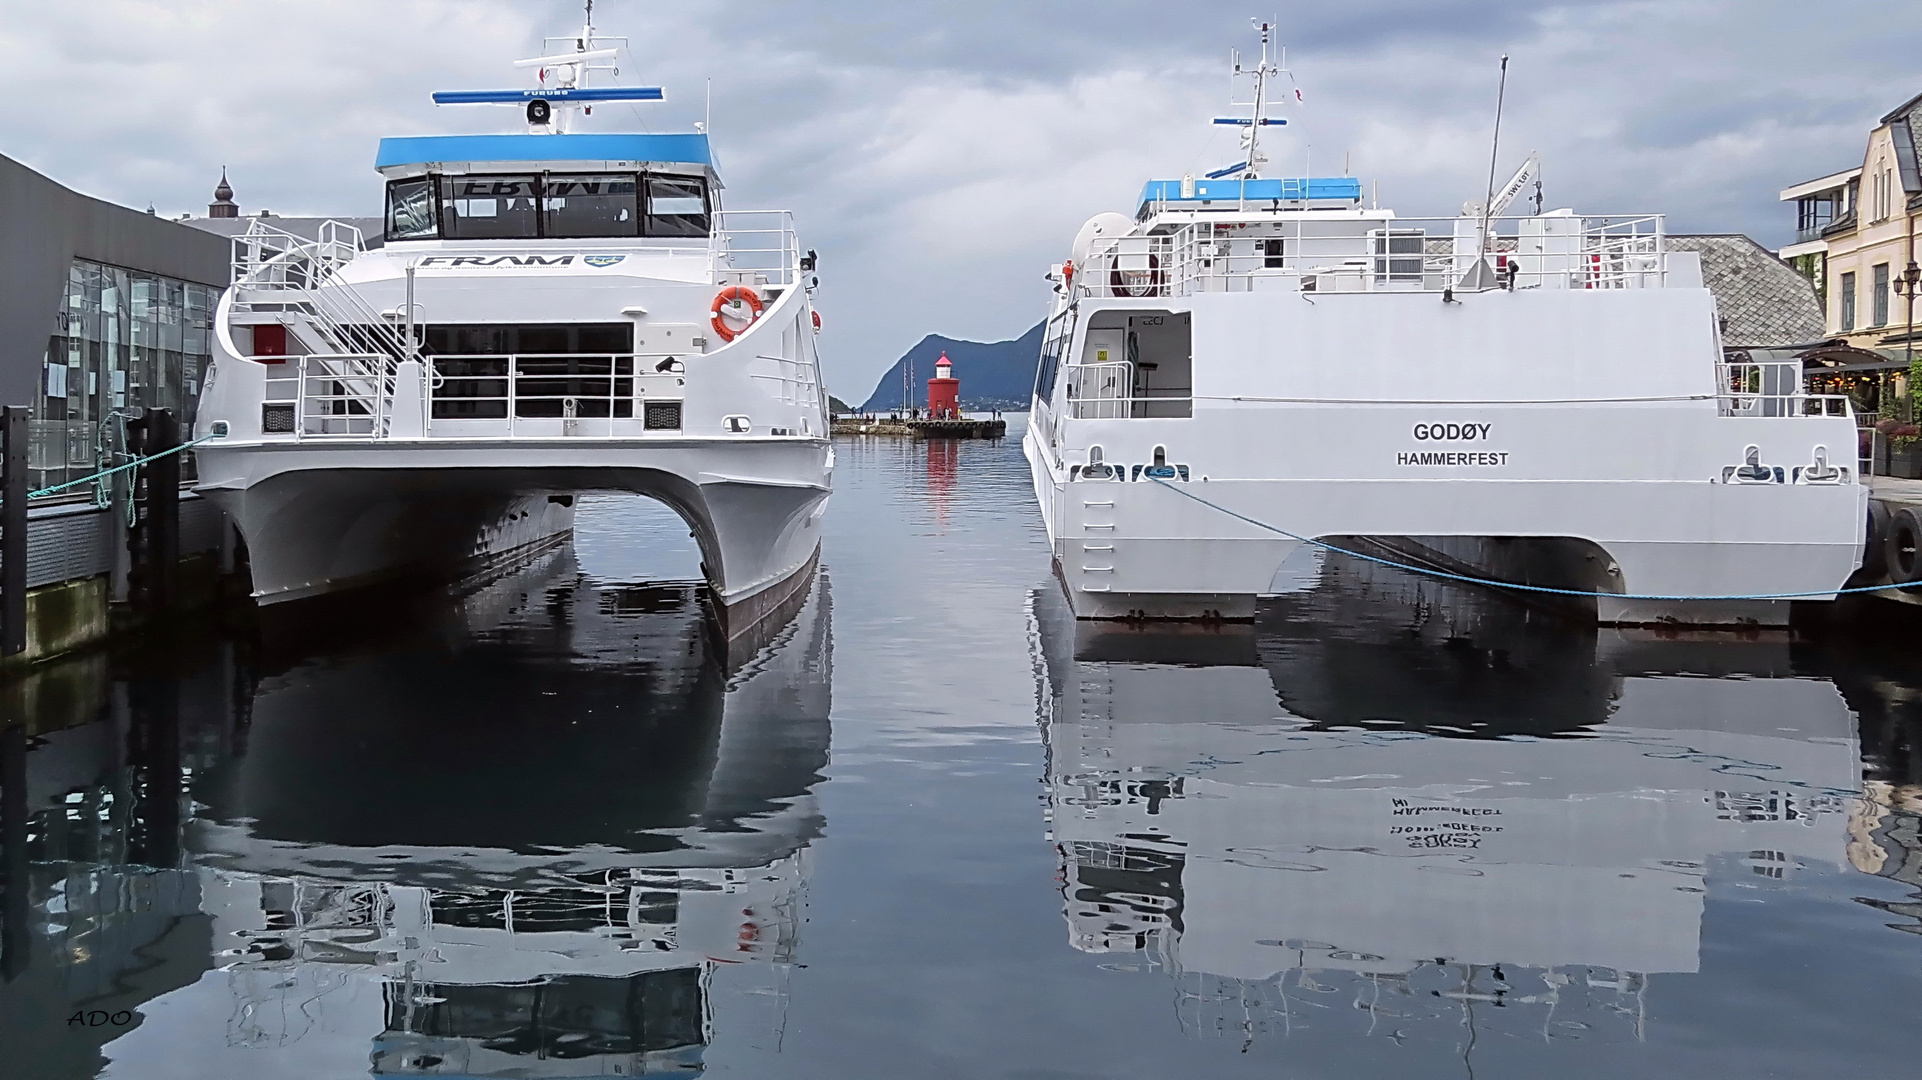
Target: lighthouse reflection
{"type": "Point", "coordinates": [1400, 809]}
{"type": "Point", "coordinates": [526, 839]}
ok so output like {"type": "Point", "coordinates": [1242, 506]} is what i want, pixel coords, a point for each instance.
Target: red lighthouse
{"type": "Point", "coordinates": [944, 391]}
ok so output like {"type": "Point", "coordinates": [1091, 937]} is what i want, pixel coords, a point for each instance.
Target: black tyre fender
{"type": "Point", "coordinates": [1875, 546]}
{"type": "Point", "coordinates": [1904, 546]}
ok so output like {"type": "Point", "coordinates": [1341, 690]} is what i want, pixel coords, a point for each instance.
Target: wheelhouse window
{"type": "Point", "coordinates": [590, 206]}
{"type": "Point", "coordinates": [489, 207]}
{"type": "Point", "coordinates": [564, 206]}
{"type": "Point", "coordinates": [410, 210]}
{"type": "Point", "coordinates": [676, 206]}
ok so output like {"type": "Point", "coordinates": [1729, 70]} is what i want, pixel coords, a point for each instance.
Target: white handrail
{"type": "Point", "coordinates": [1306, 252]}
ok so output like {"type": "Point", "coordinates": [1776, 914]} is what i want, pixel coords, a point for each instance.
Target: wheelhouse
{"type": "Point", "coordinates": [541, 187]}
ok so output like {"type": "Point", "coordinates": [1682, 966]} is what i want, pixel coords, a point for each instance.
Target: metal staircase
{"type": "Point", "coordinates": [352, 349]}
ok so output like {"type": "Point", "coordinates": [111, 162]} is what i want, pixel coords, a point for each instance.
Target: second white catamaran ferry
{"type": "Point", "coordinates": [551, 312]}
{"type": "Point", "coordinates": [1540, 399]}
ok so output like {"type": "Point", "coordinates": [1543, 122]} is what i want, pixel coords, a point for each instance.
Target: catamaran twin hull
{"type": "Point", "coordinates": [325, 519]}
{"type": "Point", "coordinates": [1565, 438]}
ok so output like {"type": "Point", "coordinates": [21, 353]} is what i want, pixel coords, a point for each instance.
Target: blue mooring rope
{"type": "Point", "coordinates": [135, 463]}
{"type": "Point", "coordinates": [1509, 584]}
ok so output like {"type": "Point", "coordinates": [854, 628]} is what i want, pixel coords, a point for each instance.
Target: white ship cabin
{"type": "Point", "coordinates": [534, 285]}
{"type": "Point", "coordinates": [1305, 236]}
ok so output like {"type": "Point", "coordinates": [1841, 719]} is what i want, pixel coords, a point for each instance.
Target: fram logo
{"type": "Point", "coordinates": [497, 260]}
{"type": "Point", "coordinates": [602, 260]}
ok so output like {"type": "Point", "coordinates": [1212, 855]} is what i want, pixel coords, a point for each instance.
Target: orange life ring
{"type": "Point", "coordinates": [734, 294]}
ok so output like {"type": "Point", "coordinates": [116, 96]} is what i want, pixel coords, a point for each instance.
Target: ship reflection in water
{"type": "Point", "coordinates": [519, 841]}
{"type": "Point", "coordinates": [1398, 809]}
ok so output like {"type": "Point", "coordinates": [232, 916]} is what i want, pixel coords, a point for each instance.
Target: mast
{"type": "Point", "coordinates": [1262, 71]}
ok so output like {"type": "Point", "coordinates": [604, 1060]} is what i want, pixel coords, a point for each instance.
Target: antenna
{"type": "Point", "coordinates": [1263, 72]}
{"type": "Point", "coordinates": [1501, 95]}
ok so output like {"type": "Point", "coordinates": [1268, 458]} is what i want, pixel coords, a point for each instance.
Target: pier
{"type": "Point", "coordinates": [945, 428]}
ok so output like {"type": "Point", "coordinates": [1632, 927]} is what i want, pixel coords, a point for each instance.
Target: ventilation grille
{"type": "Point", "coordinates": [277, 419]}
{"type": "Point", "coordinates": [662, 416]}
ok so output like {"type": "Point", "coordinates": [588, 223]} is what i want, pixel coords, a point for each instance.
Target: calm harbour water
{"type": "Point", "coordinates": [936, 829]}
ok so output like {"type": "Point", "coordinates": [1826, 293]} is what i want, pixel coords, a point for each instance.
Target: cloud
{"type": "Point", "coordinates": [941, 156]}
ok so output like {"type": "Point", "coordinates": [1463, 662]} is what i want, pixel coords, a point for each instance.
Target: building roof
{"type": "Point", "coordinates": [1903, 109]}
{"type": "Point", "coordinates": [1762, 301]}
{"type": "Point", "coordinates": [1821, 183]}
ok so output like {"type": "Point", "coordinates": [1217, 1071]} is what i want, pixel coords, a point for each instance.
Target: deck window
{"type": "Point", "coordinates": [489, 207]}
{"type": "Point", "coordinates": [591, 206]}
{"type": "Point", "coordinates": [410, 210]}
{"type": "Point", "coordinates": [676, 206]}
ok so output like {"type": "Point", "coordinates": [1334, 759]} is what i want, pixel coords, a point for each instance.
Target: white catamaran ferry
{"type": "Point", "coordinates": [550, 313]}
{"type": "Point", "coordinates": [1539, 399]}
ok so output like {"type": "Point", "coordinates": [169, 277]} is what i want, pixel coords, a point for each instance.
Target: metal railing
{"type": "Point", "coordinates": [1345, 255]}
{"type": "Point", "coordinates": [755, 244]}
{"type": "Point", "coordinates": [1772, 388]}
{"type": "Point", "coordinates": [480, 396]}
{"type": "Point", "coordinates": [333, 395]}
{"type": "Point", "coordinates": [547, 394]}
{"type": "Point", "coordinates": [292, 275]}
{"type": "Point", "coordinates": [1099, 391]}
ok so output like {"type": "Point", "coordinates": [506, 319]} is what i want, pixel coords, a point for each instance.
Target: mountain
{"type": "Point", "coordinates": [994, 374]}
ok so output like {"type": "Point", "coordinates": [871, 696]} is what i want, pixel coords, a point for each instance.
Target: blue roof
{"type": "Point", "coordinates": [430, 149]}
{"type": "Point", "coordinates": [1286, 189]}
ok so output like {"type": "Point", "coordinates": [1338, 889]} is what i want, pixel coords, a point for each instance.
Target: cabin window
{"type": "Point", "coordinates": [676, 206]}
{"type": "Point", "coordinates": [410, 210]}
{"type": "Point", "coordinates": [590, 206]}
{"type": "Point", "coordinates": [1050, 364]}
{"type": "Point", "coordinates": [489, 207]}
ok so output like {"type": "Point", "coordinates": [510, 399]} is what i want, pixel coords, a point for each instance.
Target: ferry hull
{"type": "Point", "coordinates": [320, 520]}
{"type": "Point", "coordinates": [1142, 550]}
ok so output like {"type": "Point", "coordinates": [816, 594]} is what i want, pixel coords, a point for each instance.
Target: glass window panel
{"type": "Point", "coordinates": [410, 210]}
{"type": "Point", "coordinates": [676, 206]}
{"type": "Point", "coordinates": [488, 208]}
{"type": "Point", "coordinates": [588, 206]}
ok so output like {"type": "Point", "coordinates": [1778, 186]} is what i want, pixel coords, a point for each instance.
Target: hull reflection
{"type": "Point", "coordinates": [521, 842]}
{"type": "Point", "coordinates": [1389, 802]}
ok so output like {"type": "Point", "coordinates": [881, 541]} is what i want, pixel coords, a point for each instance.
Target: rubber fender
{"type": "Point", "coordinates": [1905, 545]}
{"type": "Point", "coordinates": [1875, 546]}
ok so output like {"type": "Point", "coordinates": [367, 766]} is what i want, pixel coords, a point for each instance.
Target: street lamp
{"type": "Point", "coordinates": [1906, 284]}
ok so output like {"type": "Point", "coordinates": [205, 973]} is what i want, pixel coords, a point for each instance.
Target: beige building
{"type": "Point", "coordinates": [1855, 236]}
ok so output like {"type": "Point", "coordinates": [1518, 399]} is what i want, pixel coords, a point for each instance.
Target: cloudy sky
{"type": "Point", "coordinates": [940, 156]}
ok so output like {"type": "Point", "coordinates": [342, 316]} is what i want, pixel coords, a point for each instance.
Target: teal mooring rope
{"type": "Point", "coordinates": [1508, 584]}
{"type": "Point", "coordinates": [134, 464]}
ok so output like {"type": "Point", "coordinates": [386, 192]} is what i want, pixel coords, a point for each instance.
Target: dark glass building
{"type": "Point", "coordinates": [103, 309]}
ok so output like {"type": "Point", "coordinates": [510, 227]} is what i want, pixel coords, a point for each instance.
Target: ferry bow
{"type": "Point", "coordinates": [550, 312]}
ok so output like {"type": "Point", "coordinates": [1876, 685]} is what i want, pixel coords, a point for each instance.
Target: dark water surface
{"type": "Point", "coordinates": [551, 829]}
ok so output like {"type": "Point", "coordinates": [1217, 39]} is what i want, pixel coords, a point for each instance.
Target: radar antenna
{"type": "Point", "coordinates": [1262, 74]}
{"type": "Point", "coordinates": [561, 81]}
